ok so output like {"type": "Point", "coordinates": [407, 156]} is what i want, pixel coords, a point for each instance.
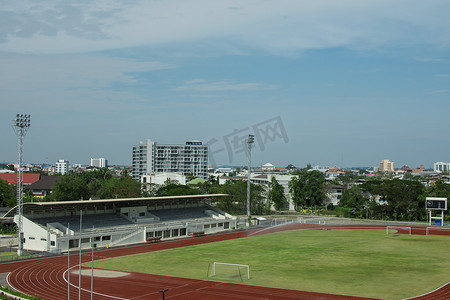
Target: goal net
{"type": "Point", "coordinates": [398, 229]}
{"type": "Point", "coordinates": [226, 271]}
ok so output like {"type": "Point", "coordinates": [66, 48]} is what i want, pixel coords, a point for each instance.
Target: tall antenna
{"type": "Point", "coordinates": [20, 125]}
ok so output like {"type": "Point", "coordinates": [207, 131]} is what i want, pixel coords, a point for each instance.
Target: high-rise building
{"type": "Point", "coordinates": [150, 157]}
{"type": "Point", "coordinates": [386, 166]}
{"type": "Point", "coordinates": [441, 167]}
{"type": "Point", "coordinates": [62, 166]}
{"type": "Point", "coordinates": [99, 162]}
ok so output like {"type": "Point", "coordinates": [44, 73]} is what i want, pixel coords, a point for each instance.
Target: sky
{"type": "Point", "coordinates": [336, 83]}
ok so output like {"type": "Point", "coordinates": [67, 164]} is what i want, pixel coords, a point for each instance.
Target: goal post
{"type": "Point", "coordinates": [398, 229]}
{"type": "Point", "coordinates": [227, 271]}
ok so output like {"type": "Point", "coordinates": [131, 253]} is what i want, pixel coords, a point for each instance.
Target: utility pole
{"type": "Point", "coordinates": [20, 125]}
{"type": "Point", "coordinates": [250, 141]}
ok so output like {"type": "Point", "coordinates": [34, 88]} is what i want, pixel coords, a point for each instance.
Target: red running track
{"type": "Point", "coordinates": [47, 277]}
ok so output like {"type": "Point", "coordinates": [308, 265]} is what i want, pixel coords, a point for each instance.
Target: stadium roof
{"type": "Point", "coordinates": [92, 203]}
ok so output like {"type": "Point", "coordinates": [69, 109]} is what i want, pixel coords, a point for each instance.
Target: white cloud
{"type": "Point", "coordinates": [201, 85]}
{"type": "Point", "coordinates": [78, 82]}
{"type": "Point", "coordinates": [441, 91]}
{"type": "Point", "coordinates": [272, 26]}
{"type": "Point", "coordinates": [70, 71]}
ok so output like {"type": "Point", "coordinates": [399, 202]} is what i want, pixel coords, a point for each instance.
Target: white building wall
{"type": "Point", "coordinates": [152, 157]}
{"type": "Point", "coordinates": [162, 178]}
{"type": "Point", "coordinates": [37, 238]}
{"type": "Point", "coordinates": [62, 167]}
{"type": "Point", "coordinates": [99, 162]}
{"type": "Point", "coordinates": [440, 167]}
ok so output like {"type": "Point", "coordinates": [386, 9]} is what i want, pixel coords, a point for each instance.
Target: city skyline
{"type": "Point", "coordinates": [351, 82]}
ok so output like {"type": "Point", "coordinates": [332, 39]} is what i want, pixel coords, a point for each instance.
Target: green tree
{"type": "Point", "coordinates": [439, 189]}
{"type": "Point", "coordinates": [307, 188]}
{"type": "Point", "coordinates": [123, 187]}
{"type": "Point", "coordinates": [276, 194]}
{"type": "Point", "coordinates": [236, 202]}
{"type": "Point", "coordinates": [355, 199]}
{"type": "Point", "coordinates": [69, 187]}
{"type": "Point", "coordinates": [7, 194]}
{"type": "Point", "coordinates": [404, 198]}
{"type": "Point", "coordinates": [174, 189]}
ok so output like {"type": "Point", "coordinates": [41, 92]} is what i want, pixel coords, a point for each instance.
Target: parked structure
{"type": "Point", "coordinates": [151, 157]}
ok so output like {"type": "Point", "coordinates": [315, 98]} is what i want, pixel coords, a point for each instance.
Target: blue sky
{"type": "Point", "coordinates": [352, 82]}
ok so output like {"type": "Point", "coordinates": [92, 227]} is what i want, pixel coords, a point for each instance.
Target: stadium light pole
{"type": "Point", "coordinates": [20, 125]}
{"type": "Point", "coordinates": [250, 141]}
{"type": "Point", "coordinates": [163, 291]}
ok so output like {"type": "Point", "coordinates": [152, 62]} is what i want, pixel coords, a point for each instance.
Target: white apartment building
{"type": "Point", "coordinates": [386, 166]}
{"type": "Point", "coordinates": [151, 157]}
{"type": "Point", "coordinates": [99, 162]}
{"type": "Point", "coordinates": [440, 167]}
{"type": "Point", "coordinates": [62, 167]}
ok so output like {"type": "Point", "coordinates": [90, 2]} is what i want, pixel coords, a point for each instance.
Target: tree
{"type": "Point", "coordinates": [307, 188]}
{"type": "Point", "coordinates": [173, 189]}
{"type": "Point", "coordinates": [123, 187]}
{"type": "Point", "coordinates": [69, 187]}
{"type": "Point", "coordinates": [439, 189]}
{"type": "Point", "coordinates": [236, 202]}
{"type": "Point", "coordinates": [355, 199]}
{"type": "Point", "coordinates": [7, 194]}
{"type": "Point", "coordinates": [276, 194]}
{"type": "Point", "coordinates": [404, 198]}
{"type": "Point", "coordinates": [98, 184]}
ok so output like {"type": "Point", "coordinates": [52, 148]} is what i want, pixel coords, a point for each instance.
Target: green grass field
{"type": "Point", "coordinates": [351, 262]}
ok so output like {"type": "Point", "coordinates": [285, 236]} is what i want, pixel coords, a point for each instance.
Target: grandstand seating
{"type": "Point", "coordinates": [181, 213]}
{"type": "Point", "coordinates": [89, 221]}
{"type": "Point", "coordinates": [167, 216]}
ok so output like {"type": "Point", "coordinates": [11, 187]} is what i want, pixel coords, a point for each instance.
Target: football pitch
{"type": "Point", "coordinates": [356, 262]}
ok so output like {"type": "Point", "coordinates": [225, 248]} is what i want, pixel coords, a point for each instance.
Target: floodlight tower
{"type": "Point", "coordinates": [250, 141]}
{"type": "Point", "coordinates": [20, 125]}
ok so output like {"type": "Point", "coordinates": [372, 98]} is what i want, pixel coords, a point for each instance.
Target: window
{"type": "Point", "coordinates": [183, 231]}
{"type": "Point", "coordinates": [31, 238]}
{"type": "Point", "coordinates": [52, 243]}
{"type": "Point", "coordinates": [142, 214]}
{"type": "Point", "coordinates": [226, 225]}
{"type": "Point", "coordinates": [43, 239]}
{"type": "Point", "coordinates": [107, 238]}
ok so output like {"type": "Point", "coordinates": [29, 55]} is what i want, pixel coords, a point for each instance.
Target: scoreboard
{"type": "Point", "coordinates": [436, 203]}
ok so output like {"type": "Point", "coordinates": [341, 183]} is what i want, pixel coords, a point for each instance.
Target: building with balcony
{"type": "Point", "coordinates": [62, 167]}
{"type": "Point", "coordinates": [99, 162]}
{"type": "Point", "coordinates": [150, 157]}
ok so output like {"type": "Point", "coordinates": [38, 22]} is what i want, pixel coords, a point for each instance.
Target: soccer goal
{"type": "Point", "coordinates": [398, 229]}
{"type": "Point", "coordinates": [226, 271]}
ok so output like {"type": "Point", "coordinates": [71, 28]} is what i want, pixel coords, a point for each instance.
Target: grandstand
{"type": "Point", "coordinates": [55, 226]}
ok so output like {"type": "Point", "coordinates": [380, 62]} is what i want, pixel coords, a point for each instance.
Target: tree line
{"type": "Point", "coordinates": [390, 199]}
